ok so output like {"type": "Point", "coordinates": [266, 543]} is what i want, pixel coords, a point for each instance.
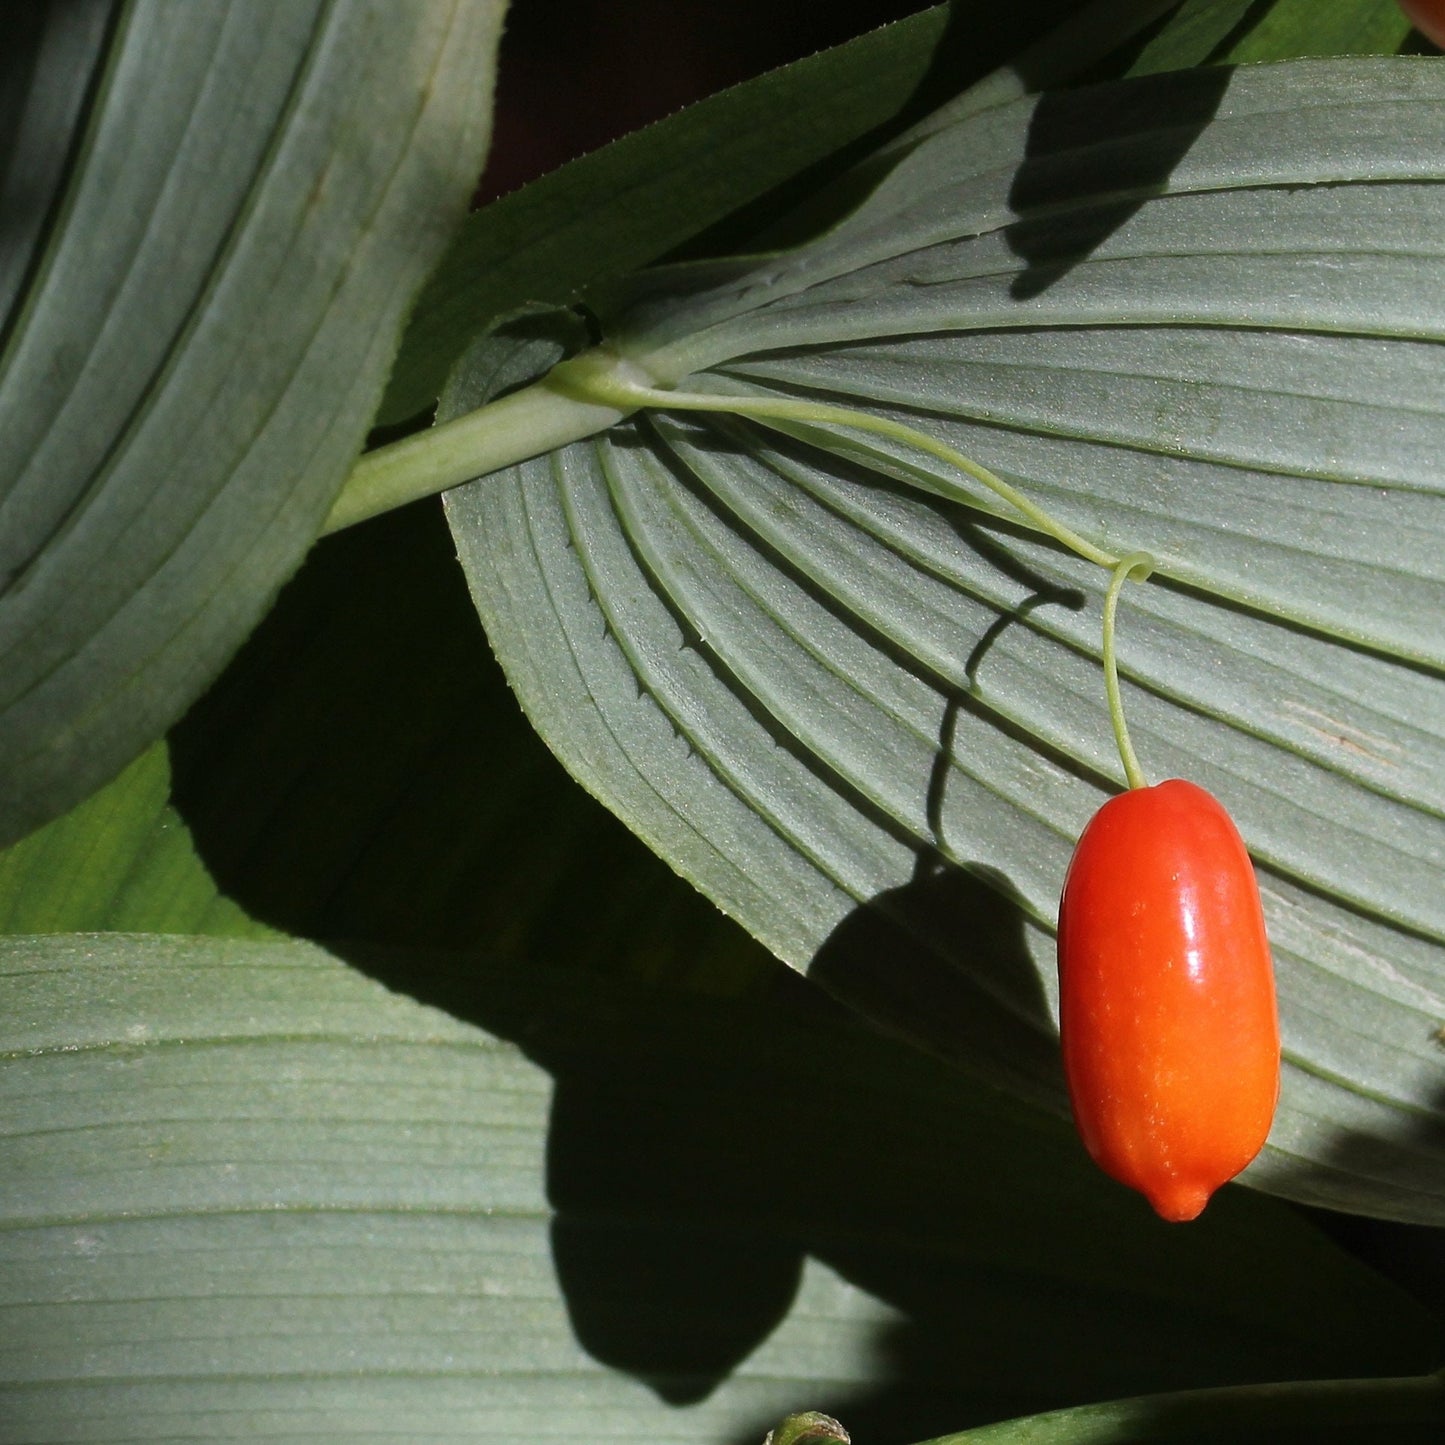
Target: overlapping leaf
{"type": "Point", "coordinates": [1198, 314]}
{"type": "Point", "coordinates": [214, 226]}
{"type": "Point", "coordinates": [248, 1194]}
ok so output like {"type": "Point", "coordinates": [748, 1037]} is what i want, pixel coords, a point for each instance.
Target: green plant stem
{"type": "Point", "coordinates": [1137, 565]}
{"type": "Point", "coordinates": [525, 424]}
{"type": "Point", "coordinates": [602, 377]}
{"type": "Point", "coordinates": [1254, 1412]}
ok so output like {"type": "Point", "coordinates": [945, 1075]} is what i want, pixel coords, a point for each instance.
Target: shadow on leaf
{"type": "Point", "coordinates": [1071, 196]}
{"type": "Point", "coordinates": [361, 774]}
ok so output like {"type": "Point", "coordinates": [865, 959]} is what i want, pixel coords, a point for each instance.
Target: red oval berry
{"type": "Point", "coordinates": [1166, 995]}
{"type": "Point", "coordinates": [1428, 17]}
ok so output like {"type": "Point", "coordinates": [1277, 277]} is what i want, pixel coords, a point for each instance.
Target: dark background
{"type": "Point", "coordinates": [575, 74]}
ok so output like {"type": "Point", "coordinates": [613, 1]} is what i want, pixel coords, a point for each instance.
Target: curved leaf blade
{"type": "Point", "coordinates": [819, 676]}
{"type": "Point", "coordinates": [203, 340]}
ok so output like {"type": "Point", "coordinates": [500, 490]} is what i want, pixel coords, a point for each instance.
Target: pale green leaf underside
{"type": "Point", "coordinates": [1199, 315]}
{"type": "Point", "coordinates": [213, 292]}
{"type": "Point", "coordinates": [248, 1194]}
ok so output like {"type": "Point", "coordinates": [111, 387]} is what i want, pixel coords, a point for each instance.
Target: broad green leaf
{"type": "Point", "coordinates": [248, 1194]}
{"type": "Point", "coordinates": [1196, 314]}
{"type": "Point", "coordinates": [211, 302]}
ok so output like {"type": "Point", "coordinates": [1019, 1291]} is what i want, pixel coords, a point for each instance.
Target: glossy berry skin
{"type": "Point", "coordinates": [1428, 17]}
{"type": "Point", "coordinates": [1166, 995]}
